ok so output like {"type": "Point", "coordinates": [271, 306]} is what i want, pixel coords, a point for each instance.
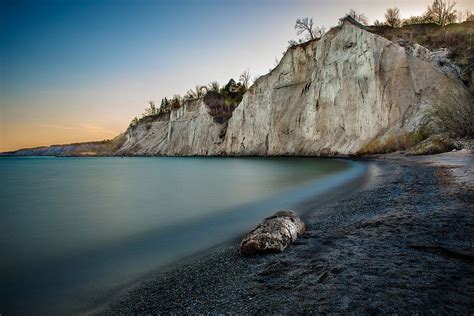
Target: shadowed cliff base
{"type": "Point", "coordinates": [401, 244]}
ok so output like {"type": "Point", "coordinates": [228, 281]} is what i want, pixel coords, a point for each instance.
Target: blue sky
{"type": "Point", "coordinates": [81, 70]}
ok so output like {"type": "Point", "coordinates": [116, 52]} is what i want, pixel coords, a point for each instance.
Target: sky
{"type": "Point", "coordinates": [73, 71]}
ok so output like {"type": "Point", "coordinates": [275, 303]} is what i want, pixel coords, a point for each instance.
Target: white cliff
{"type": "Point", "coordinates": [334, 95]}
{"type": "Point", "coordinates": [326, 97]}
{"type": "Point", "coordinates": [187, 131]}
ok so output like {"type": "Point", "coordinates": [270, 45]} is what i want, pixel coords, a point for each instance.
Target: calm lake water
{"type": "Point", "coordinates": [74, 230]}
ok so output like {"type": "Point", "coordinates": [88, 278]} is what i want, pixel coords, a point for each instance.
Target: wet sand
{"type": "Point", "coordinates": [403, 244]}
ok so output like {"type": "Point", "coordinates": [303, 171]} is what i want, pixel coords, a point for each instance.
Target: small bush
{"type": "Point", "coordinates": [217, 107]}
{"type": "Point", "coordinates": [433, 145]}
{"type": "Point", "coordinates": [457, 37]}
{"type": "Point", "coordinates": [455, 119]}
{"type": "Point", "coordinates": [222, 103]}
{"type": "Point", "coordinates": [394, 142]}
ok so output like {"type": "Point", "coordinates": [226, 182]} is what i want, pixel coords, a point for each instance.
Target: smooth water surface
{"type": "Point", "coordinates": [76, 229]}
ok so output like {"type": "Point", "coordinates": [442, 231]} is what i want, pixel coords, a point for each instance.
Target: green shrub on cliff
{"type": "Point", "coordinates": [222, 103]}
{"type": "Point", "coordinates": [134, 122]}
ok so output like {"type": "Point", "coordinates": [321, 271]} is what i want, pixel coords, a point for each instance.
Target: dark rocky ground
{"type": "Point", "coordinates": [402, 245]}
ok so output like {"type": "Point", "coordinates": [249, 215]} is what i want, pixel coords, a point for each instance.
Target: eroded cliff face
{"type": "Point", "coordinates": [326, 97]}
{"type": "Point", "coordinates": [334, 95]}
{"type": "Point", "coordinates": [187, 131]}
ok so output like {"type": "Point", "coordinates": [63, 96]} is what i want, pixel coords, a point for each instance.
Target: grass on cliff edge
{"type": "Point", "coordinates": [457, 37]}
{"type": "Point", "coordinates": [393, 142]}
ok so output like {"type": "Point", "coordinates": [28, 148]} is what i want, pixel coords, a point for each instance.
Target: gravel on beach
{"type": "Point", "coordinates": [403, 244]}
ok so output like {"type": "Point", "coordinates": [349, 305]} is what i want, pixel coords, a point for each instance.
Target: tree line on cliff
{"type": "Point", "coordinates": [440, 12]}
{"type": "Point", "coordinates": [221, 101]}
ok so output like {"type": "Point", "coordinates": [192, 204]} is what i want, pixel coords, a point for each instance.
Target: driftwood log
{"type": "Point", "coordinates": [273, 234]}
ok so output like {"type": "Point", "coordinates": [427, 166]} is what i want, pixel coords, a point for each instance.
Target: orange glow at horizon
{"type": "Point", "coordinates": [38, 135]}
{"type": "Point", "coordinates": [78, 74]}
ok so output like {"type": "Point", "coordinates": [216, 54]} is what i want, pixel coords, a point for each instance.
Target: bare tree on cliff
{"type": "Point", "coordinates": [441, 12]}
{"type": "Point", "coordinates": [392, 17]}
{"type": "Point", "coordinates": [152, 110]}
{"type": "Point", "coordinates": [379, 23]}
{"type": "Point", "coordinates": [245, 78]}
{"type": "Point", "coordinates": [214, 87]}
{"type": "Point", "coordinates": [469, 16]}
{"type": "Point", "coordinates": [413, 20]}
{"type": "Point", "coordinates": [307, 25]}
{"type": "Point", "coordinates": [465, 16]}
{"type": "Point", "coordinates": [359, 17]}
